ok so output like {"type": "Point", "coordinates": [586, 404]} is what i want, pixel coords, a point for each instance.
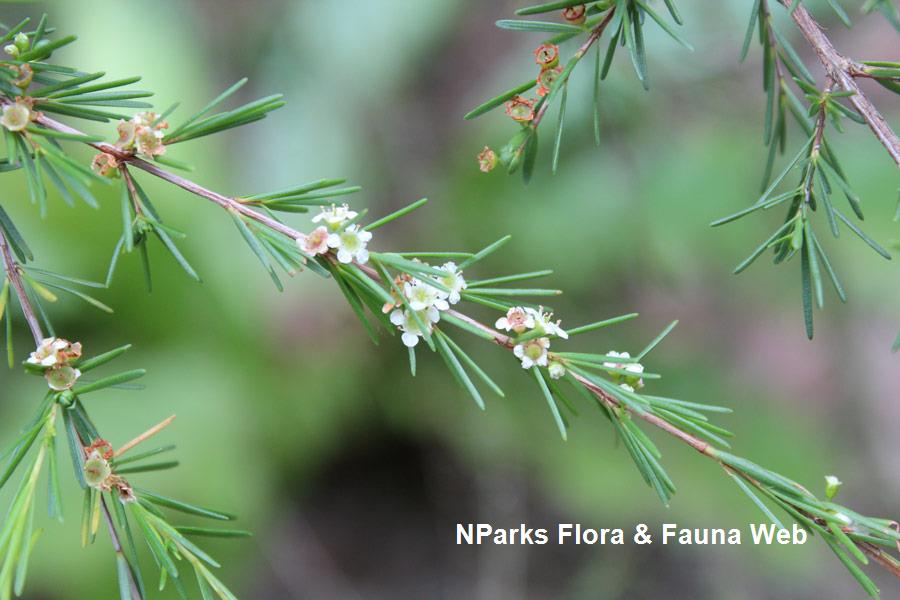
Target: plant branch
{"type": "Point", "coordinates": [11, 267]}
{"type": "Point", "coordinates": [844, 71]}
{"type": "Point", "coordinates": [704, 448]}
{"type": "Point", "coordinates": [593, 37]}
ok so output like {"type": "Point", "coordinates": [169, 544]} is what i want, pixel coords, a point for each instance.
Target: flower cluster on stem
{"type": "Point", "coordinates": [425, 298]}
{"type": "Point", "coordinates": [534, 351]}
{"type": "Point", "coordinates": [338, 234]}
{"type": "Point", "coordinates": [54, 358]}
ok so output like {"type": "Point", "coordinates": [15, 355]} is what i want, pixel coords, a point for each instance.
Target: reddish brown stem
{"type": "Point", "coordinates": [843, 72]}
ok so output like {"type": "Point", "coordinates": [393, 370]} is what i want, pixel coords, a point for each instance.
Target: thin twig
{"type": "Point", "coordinates": [11, 267]}
{"type": "Point", "coordinates": [844, 71]}
{"type": "Point", "coordinates": [593, 37]}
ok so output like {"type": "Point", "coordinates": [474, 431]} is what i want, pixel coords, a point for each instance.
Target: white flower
{"type": "Point", "coordinates": [62, 377]}
{"type": "Point", "coordinates": [407, 323]}
{"type": "Point", "coordinates": [556, 370]}
{"type": "Point", "coordinates": [636, 368]}
{"type": "Point", "coordinates": [97, 471]}
{"type": "Point", "coordinates": [453, 281]}
{"type": "Point", "coordinates": [54, 352]}
{"type": "Point", "coordinates": [542, 321]}
{"type": "Point", "coordinates": [350, 244]}
{"type": "Point", "coordinates": [335, 216]}
{"type": "Point", "coordinates": [16, 117]}
{"type": "Point", "coordinates": [316, 242]}
{"type": "Point", "coordinates": [533, 352]}
{"type": "Point", "coordinates": [516, 319]}
{"type": "Point", "coordinates": [421, 296]}
{"type": "Point", "coordinates": [626, 387]}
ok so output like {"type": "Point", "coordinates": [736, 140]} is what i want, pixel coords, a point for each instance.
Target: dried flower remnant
{"type": "Point", "coordinates": [487, 160]}
{"type": "Point", "coordinates": [17, 116]}
{"type": "Point", "coordinates": [99, 474]}
{"type": "Point", "coordinates": [546, 55]}
{"type": "Point", "coordinates": [520, 109]}
{"type": "Point", "coordinates": [105, 164]}
{"type": "Point", "coordinates": [144, 134]}
{"type": "Point", "coordinates": [575, 15]}
{"type": "Point", "coordinates": [546, 79]}
{"type": "Point", "coordinates": [26, 74]}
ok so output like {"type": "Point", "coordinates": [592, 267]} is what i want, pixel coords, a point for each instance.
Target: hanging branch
{"type": "Point", "coordinates": [844, 72]}
{"type": "Point", "coordinates": [389, 292]}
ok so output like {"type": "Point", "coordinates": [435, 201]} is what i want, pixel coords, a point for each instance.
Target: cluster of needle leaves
{"type": "Point", "coordinates": [624, 20]}
{"type": "Point", "coordinates": [813, 176]}
{"type": "Point", "coordinates": [587, 379]}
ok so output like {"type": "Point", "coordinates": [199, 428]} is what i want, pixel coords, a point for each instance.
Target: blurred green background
{"type": "Point", "coordinates": [351, 473]}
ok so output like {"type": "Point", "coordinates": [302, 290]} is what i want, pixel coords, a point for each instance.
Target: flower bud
{"type": "Point", "coordinates": [513, 152]}
{"type": "Point", "coordinates": [21, 42]}
{"type": "Point", "coordinates": [12, 50]}
{"type": "Point", "coordinates": [556, 370]}
{"type": "Point", "coordinates": [26, 74]}
{"type": "Point", "coordinates": [487, 160]}
{"type": "Point", "coordinates": [575, 14]}
{"type": "Point", "coordinates": [832, 486]}
{"type": "Point", "coordinates": [546, 55]}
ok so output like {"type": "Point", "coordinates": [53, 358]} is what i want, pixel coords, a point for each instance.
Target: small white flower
{"type": "Point", "coordinates": [832, 486]}
{"type": "Point", "coordinates": [421, 296]}
{"type": "Point", "coordinates": [62, 377]}
{"type": "Point", "coordinates": [316, 242]}
{"type": "Point", "coordinates": [407, 323]}
{"type": "Point", "coordinates": [335, 216]}
{"type": "Point", "coordinates": [533, 352]}
{"type": "Point", "coordinates": [626, 387]}
{"type": "Point", "coordinates": [453, 281]}
{"type": "Point", "coordinates": [543, 322]}
{"type": "Point", "coordinates": [16, 117]}
{"type": "Point", "coordinates": [516, 319]}
{"type": "Point", "coordinates": [54, 352]}
{"type": "Point", "coordinates": [351, 244]}
{"type": "Point", "coordinates": [556, 370]}
{"type": "Point", "coordinates": [636, 368]}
